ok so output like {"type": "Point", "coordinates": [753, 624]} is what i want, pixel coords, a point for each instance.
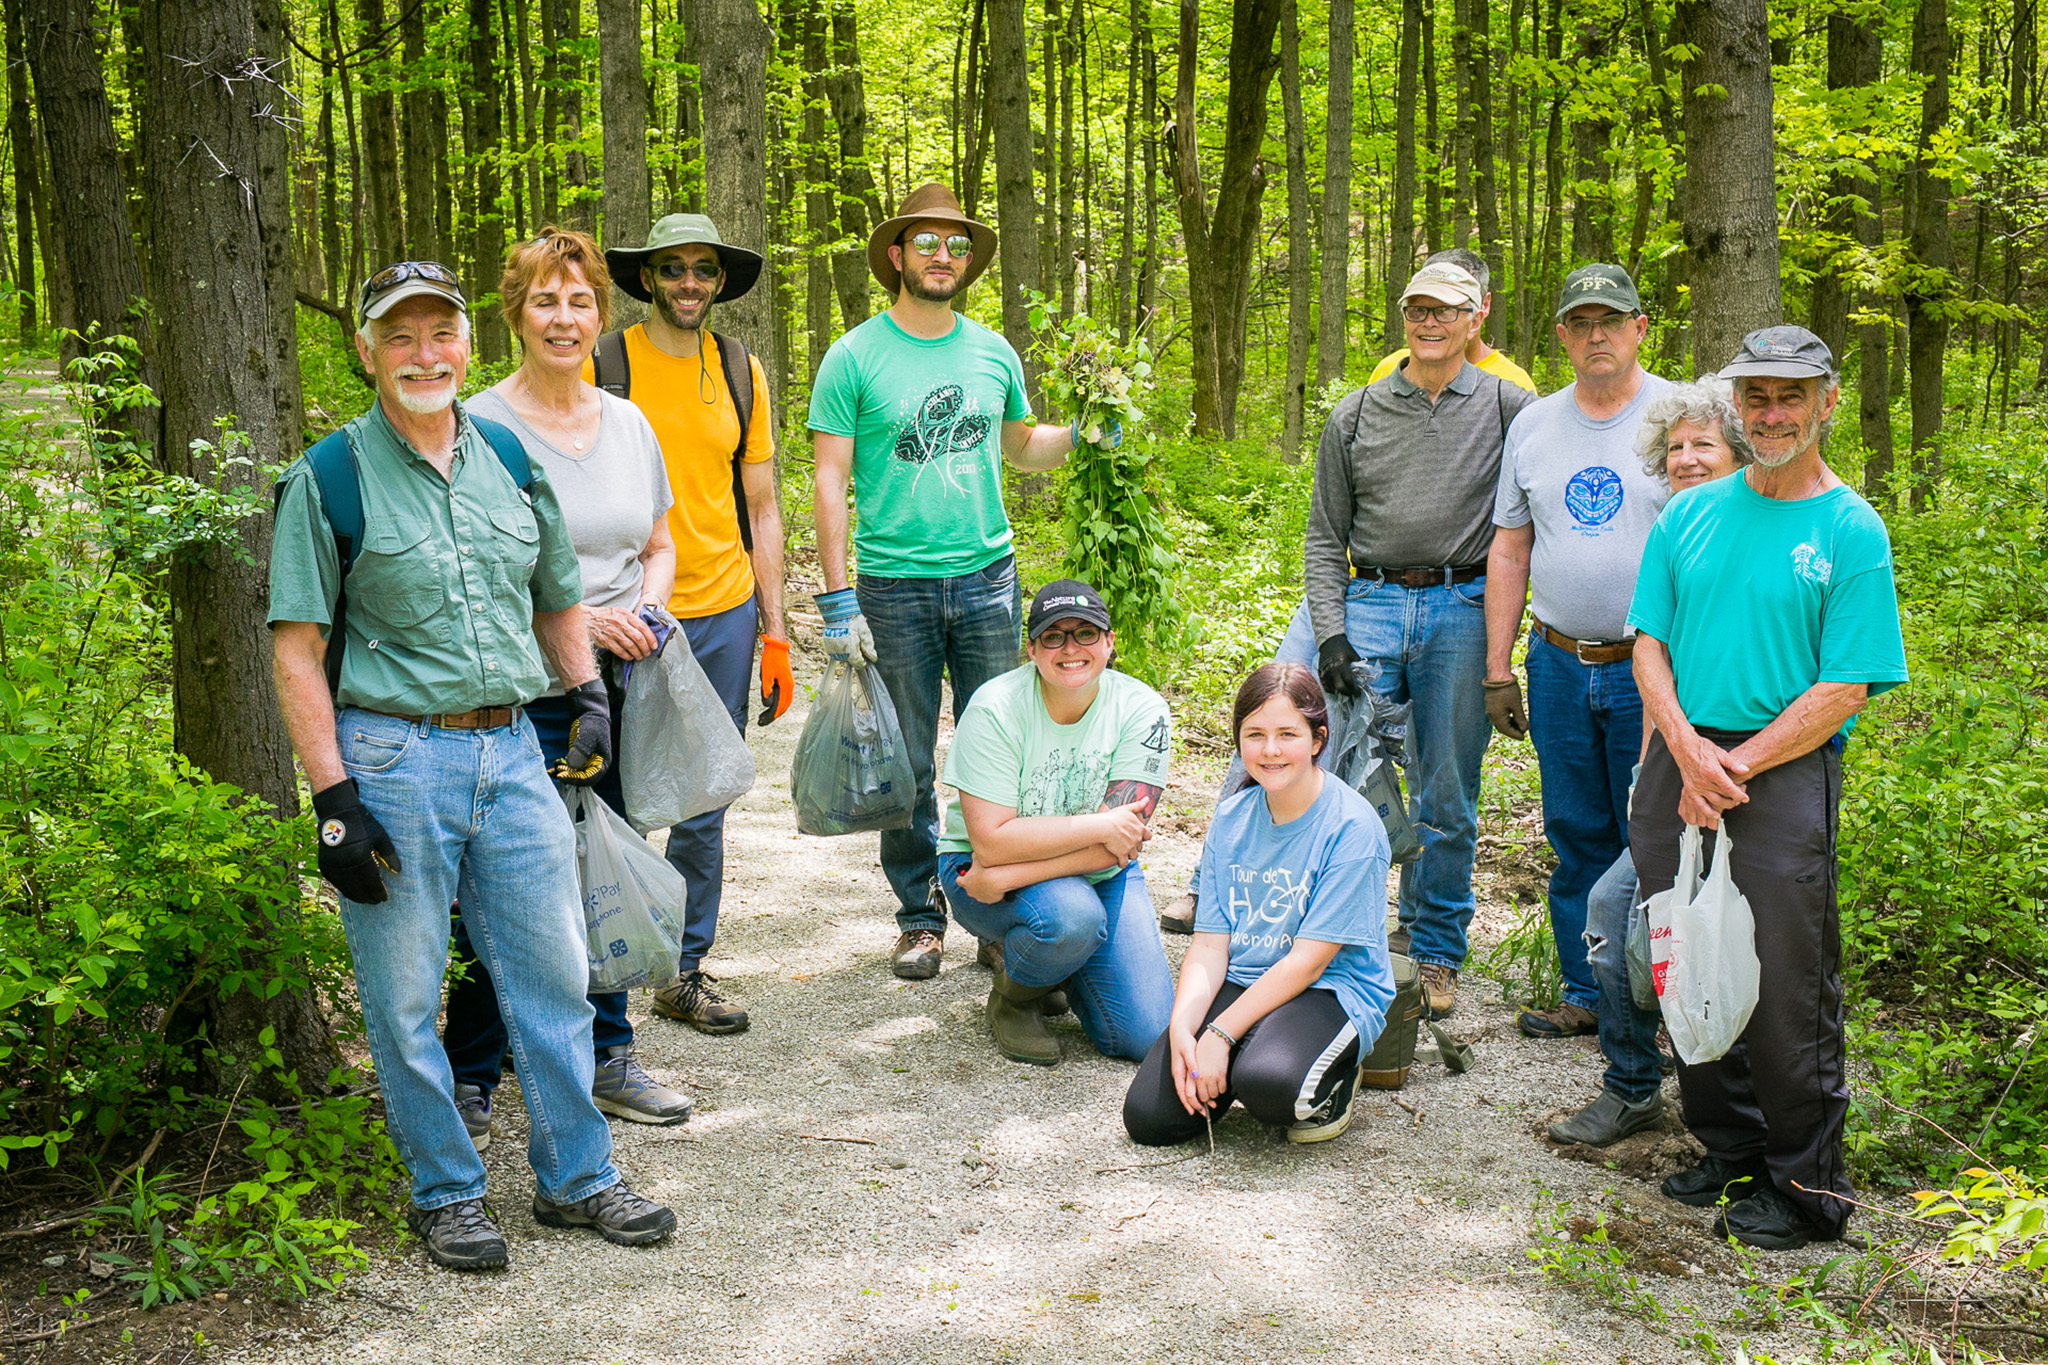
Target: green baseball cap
{"type": "Point", "coordinates": [742, 267]}
{"type": "Point", "coordinates": [1598, 283]}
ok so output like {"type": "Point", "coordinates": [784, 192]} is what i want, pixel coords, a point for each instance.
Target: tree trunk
{"type": "Point", "coordinates": [21, 139]}
{"type": "Point", "coordinates": [579, 207]}
{"type": "Point", "coordinates": [622, 91]}
{"type": "Point", "coordinates": [1127, 219]}
{"type": "Point", "coordinates": [1515, 254]}
{"type": "Point", "coordinates": [1932, 254]}
{"type": "Point", "coordinates": [1401, 219]}
{"type": "Point", "coordinates": [1015, 197]}
{"type": "Point", "coordinates": [487, 221]}
{"type": "Point", "coordinates": [1300, 233]}
{"type": "Point", "coordinates": [1484, 183]}
{"type": "Point", "coordinates": [1432, 144]}
{"type": "Point", "coordinates": [1728, 206]}
{"type": "Point", "coordinates": [1461, 124]}
{"type": "Point", "coordinates": [1855, 54]}
{"type": "Point", "coordinates": [1874, 378]}
{"type": "Point", "coordinates": [857, 198]}
{"type": "Point", "coordinates": [1335, 290]}
{"type": "Point", "coordinates": [736, 161]}
{"type": "Point", "coordinates": [1148, 274]}
{"type": "Point", "coordinates": [1553, 195]}
{"type": "Point", "coordinates": [690, 105]}
{"type": "Point", "coordinates": [1592, 177]}
{"type": "Point", "coordinates": [977, 127]}
{"type": "Point", "coordinates": [1194, 221]}
{"type": "Point", "coordinates": [1048, 152]}
{"type": "Point", "coordinates": [819, 220]}
{"type": "Point", "coordinates": [1234, 225]}
{"type": "Point", "coordinates": [422, 150]}
{"type": "Point", "coordinates": [1066, 159]}
{"type": "Point", "coordinates": [380, 140]}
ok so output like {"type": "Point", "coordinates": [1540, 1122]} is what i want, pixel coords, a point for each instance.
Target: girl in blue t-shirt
{"type": "Point", "coordinates": [1287, 983]}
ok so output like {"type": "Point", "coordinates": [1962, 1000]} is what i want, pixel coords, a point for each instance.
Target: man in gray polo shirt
{"type": "Point", "coordinates": [1574, 508]}
{"type": "Point", "coordinates": [1394, 568]}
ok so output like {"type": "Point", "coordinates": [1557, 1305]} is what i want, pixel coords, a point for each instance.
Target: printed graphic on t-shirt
{"type": "Point", "coordinates": [1811, 565]}
{"type": "Point", "coordinates": [1593, 495]}
{"type": "Point", "coordinates": [1068, 782]}
{"type": "Point", "coordinates": [1261, 900]}
{"type": "Point", "coordinates": [946, 426]}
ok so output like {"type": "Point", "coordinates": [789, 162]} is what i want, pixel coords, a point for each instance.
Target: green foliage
{"type": "Point", "coordinates": [2001, 1217]}
{"type": "Point", "coordinates": [1525, 961]}
{"type": "Point", "coordinates": [169, 1267]}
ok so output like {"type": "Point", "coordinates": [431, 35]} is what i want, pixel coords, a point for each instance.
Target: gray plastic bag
{"type": "Point", "coordinates": [852, 772]}
{"type": "Point", "coordinates": [1368, 744]}
{"type": "Point", "coordinates": [680, 753]}
{"type": "Point", "coordinates": [632, 898]}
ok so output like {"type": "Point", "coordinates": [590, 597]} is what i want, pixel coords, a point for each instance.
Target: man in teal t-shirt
{"type": "Point", "coordinates": [915, 410]}
{"type": "Point", "coordinates": [1765, 618]}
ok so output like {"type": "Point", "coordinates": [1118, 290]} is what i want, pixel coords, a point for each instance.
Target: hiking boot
{"type": "Point", "coordinates": [1702, 1186]}
{"type": "Point", "coordinates": [1016, 1016]}
{"type": "Point", "coordinates": [1769, 1220]}
{"type": "Point", "coordinates": [1397, 941]}
{"type": "Point", "coordinates": [623, 1087]}
{"type": "Point", "coordinates": [620, 1216]}
{"type": "Point", "coordinates": [1607, 1120]}
{"type": "Point", "coordinates": [473, 1102]}
{"type": "Point", "coordinates": [1331, 1117]}
{"type": "Point", "coordinates": [989, 954]}
{"type": "Point", "coordinates": [1566, 1021]}
{"type": "Point", "coordinates": [690, 1000]}
{"type": "Point", "coordinates": [1179, 915]}
{"type": "Point", "coordinates": [1439, 989]}
{"type": "Point", "coordinates": [916, 954]}
{"type": "Point", "coordinates": [460, 1236]}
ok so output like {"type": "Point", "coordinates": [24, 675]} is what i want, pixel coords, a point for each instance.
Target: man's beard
{"type": "Point", "coordinates": [915, 286]}
{"type": "Point", "coordinates": [1802, 441]}
{"type": "Point", "coordinates": [423, 404]}
{"type": "Point", "coordinates": [671, 312]}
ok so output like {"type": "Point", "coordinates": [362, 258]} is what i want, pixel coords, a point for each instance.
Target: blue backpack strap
{"type": "Point", "coordinates": [507, 447]}
{"type": "Point", "coordinates": [341, 494]}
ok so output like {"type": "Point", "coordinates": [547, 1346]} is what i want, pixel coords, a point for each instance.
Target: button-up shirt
{"type": "Point", "coordinates": [446, 581]}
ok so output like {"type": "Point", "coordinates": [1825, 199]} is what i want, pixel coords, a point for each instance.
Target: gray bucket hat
{"type": "Point", "coordinates": [742, 267]}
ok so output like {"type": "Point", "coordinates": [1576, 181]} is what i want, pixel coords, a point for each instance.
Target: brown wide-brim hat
{"type": "Point", "coordinates": [933, 202]}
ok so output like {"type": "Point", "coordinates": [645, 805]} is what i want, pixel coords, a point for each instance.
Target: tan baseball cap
{"type": "Point", "coordinates": [1446, 283]}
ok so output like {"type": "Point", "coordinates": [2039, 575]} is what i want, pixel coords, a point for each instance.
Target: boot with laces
{"type": "Point", "coordinates": [917, 954]}
{"type": "Point", "coordinates": [617, 1214]}
{"type": "Point", "coordinates": [623, 1087]}
{"type": "Point", "coordinates": [460, 1236]}
{"type": "Point", "coordinates": [691, 1000]}
{"type": "Point", "coordinates": [1439, 989]}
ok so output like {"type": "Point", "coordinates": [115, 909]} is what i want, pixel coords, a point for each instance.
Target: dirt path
{"type": "Point", "coordinates": [991, 1211]}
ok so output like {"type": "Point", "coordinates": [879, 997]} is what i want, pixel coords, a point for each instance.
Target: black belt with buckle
{"type": "Point", "coordinates": [1429, 577]}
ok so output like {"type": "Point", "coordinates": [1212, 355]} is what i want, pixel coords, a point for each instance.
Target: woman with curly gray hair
{"type": "Point", "coordinates": [1692, 434]}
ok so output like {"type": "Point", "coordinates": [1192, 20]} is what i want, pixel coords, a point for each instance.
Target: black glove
{"type": "Point", "coordinates": [1334, 665]}
{"type": "Point", "coordinates": [352, 844]}
{"type": "Point", "coordinates": [590, 735]}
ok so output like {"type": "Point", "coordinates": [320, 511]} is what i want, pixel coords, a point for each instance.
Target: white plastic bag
{"type": "Point", "coordinates": [632, 898]}
{"type": "Point", "coordinates": [680, 753]}
{"type": "Point", "coordinates": [1703, 953]}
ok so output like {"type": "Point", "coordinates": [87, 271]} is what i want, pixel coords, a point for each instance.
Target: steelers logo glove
{"type": "Point", "coordinates": [353, 847]}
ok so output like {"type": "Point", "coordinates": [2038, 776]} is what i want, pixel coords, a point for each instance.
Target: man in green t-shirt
{"type": "Point", "coordinates": [915, 409]}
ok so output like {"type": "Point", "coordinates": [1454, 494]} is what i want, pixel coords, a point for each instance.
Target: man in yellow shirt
{"type": "Point", "coordinates": [719, 447]}
{"type": "Point", "coordinates": [1477, 351]}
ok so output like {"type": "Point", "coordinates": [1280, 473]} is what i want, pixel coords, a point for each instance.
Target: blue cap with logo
{"type": "Point", "coordinates": [1783, 353]}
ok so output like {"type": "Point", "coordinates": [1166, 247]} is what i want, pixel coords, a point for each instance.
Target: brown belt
{"type": "Point", "coordinates": [1591, 651]}
{"type": "Point", "coordinates": [1421, 578]}
{"type": "Point", "coordinates": [483, 718]}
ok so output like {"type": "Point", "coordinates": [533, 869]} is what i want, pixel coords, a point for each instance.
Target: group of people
{"type": "Point", "coordinates": [457, 591]}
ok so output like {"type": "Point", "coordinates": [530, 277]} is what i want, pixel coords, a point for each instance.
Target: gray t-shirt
{"type": "Point", "coordinates": [1581, 484]}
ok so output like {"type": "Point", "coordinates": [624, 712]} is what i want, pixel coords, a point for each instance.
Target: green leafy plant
{"type": "Point", "coordinates": [168, 1267]}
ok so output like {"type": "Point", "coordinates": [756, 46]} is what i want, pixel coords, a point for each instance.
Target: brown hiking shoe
{"type": "Point", "coordinates": [1439, 989]}
{"type": "Point", "coordinates": [1566, 1021]}
{"type": "Point", "coordinates": [691, 1000]}
{"type": "Point", "coordinates": [916, 955]}
{"type": "Point", "coordinates": [1179, 915]}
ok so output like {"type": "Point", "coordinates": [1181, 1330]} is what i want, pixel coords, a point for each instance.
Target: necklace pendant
{"type": "Point", "coordinates": [579, 443]}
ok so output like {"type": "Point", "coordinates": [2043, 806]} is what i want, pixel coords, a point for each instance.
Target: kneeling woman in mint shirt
{"type": "Point", "coordinates": [1287, 983]}
{"type": "Point", "coordinates": [1058, 765]}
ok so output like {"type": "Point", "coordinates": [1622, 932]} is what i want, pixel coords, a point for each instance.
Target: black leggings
{"type": "Point", "coordinates": [1283, 1067]}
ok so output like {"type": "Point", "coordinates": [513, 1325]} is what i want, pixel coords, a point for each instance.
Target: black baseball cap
{"type": "Point", "coordinates": [1598, 283]}
{"type": "Point", "coordinates": [1783, 353]}
{"type": "Point", "coordinates": [1065, 599]}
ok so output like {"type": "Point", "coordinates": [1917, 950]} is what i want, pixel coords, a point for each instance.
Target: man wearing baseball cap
{"type": "Point", "coordinates": [707, 400]}
{"type": "Point", "coordinates": [1573, 510]}
{"type": "Point", "coordinates": [915, 411]}
{"type": "Point", "coordinates": [1394, 570]}
{"type": "Point", "coordinates": [1476, 350]}
{"type": "Point", "coordinates": [1765, 618]}
{"type": "Point", "coordinates": [463, 591]}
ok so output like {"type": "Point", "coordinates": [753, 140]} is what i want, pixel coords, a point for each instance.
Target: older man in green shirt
{"type": "Point", "coordinates": [426, 776]}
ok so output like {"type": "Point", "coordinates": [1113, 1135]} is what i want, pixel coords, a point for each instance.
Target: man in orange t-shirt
{"type": "Point", "coordinates": [728, 583]}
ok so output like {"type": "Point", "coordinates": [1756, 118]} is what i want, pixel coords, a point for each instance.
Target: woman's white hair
{"type": "Point", "coordinates": [1710, 402]}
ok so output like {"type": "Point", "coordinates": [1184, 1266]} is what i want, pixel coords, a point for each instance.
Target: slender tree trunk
{"type": "Point", "coordinates": [736, 160]}
{"type": "Point", "coordinates": [1516, 252]}
{"type": "Point", "coordinates": [579, 205]}
{"type": "Point", "coordinates": [421, 148]}
{"type": "Point", "coordinates": [1300, 233]}
{"type": "Point", "coordinates": [1127, 218]}
{"type": "Point", "coordinates": [1933, 256]}
{"type": "Point", "coordinates": [1553, 192]}
{"type": "Point", "coordinates": [1592, 176]}
{"type": "Point", "coordinates": [380, 140]}
{"type": "Point", "coordinates": [622, 87]}
{"type": "Point", "coordinates": [1335, 290]}
{"type": "Point", "coordinates": [1011, 89]}
{"type": "Point", "coordinates": [1874, 378]}
{"type": "Point", "coordinates": [1855, 53]}
{"type": "Point", "coordinates": [690, 106]}
{"type": "Point", "coordinates": [1049, 270]}
{"type": "Point", "coordinates": [975, 113]}
{"type": "Point", "coordinates": [21, 137]}
{"type": "Point", "coordinates": [1432, 145]}
{"type": "Point", "coordinates": [819, 221]}
{"type": "Point", "coordinates": [1461, 124]}
{"type": "Point", "coordinates": [357, 247]}
{"type": "Point", "coordinates": [1194, 221]}
{"type": "Point", "coordinates": [1066, 158]}
{"type": "Point", "coordinates": [1148, 275]}
{"type": "Point", "coordinates": [529, 93]}
{"type": "Point", "coordinates": [1401, 219]}
{"type": "Point", "coordinates": [1484, 182]}
{"type": "Point", "coordinates": [857, 199]}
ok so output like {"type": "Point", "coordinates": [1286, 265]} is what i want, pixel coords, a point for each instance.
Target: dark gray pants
{"type": "Point", "coordinates": [1780, 1092]}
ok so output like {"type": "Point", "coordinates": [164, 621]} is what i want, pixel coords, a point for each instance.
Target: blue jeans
{"type": "Point", "coordinates": [724, 646]}
{"type": "Point", "coordinates": [1628, 1036]}
{"type": "Point", "coordinates": [1098, 937]}
{"type": "Point", "coordinates": [1429, 647]}
{"type": "Point", "coordinates": [473, 812]}
{"type": "Point", "coordinates": [1586, 721]}
{"type": "Point", "coordinates": [969, 627]}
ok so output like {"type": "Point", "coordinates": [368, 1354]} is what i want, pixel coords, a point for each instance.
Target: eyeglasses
{"type": "Point", "coordinates": [959, 245]}
{"type": "Point", "coordinates": [1415, 312]}
{"type": "Point", "coordinates": [1057, 639]}
{"type": "Point", "coordinates": [705, 271]}
{"type": "Point", "coordinates": [1607, 324]}
{"type": "Point", "coordinates": [392, 275]}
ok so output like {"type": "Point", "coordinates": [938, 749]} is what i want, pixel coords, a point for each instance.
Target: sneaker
{"type": "Point", "coordinates": [917, 953]}
{"type": "Point", "coordinates": [1703, 1185]}
{"type": "Point", "coordinates": [1769, 1220]}
{"type": "Point", "coordinates": [623, 1087]}
{"type": "Point", "coordinates": [620, 1216]}
{"type": "Point", "coordinates": [691, 1000]}
{"type": "Point", "coordinates": [473, 1102]}
{"type": "Point", "coordinates": [459, 1236]}
{"type": "Point", "coordinates": [1439, 989]}
{"type": "Point", "coordinates": [1566, 1021]}
{"type": "Point", "coordinates": [989, 954]}
{"type": "Point", "coordinates": [1607, 1120]}
{"type": "Point", "coordinates": [1331, 1117]}
{"type": "Point", "coordinates": [1179, 915]}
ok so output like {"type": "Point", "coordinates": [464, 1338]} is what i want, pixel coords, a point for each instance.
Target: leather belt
{"type": "Point", "coordinates": [1427, 577]}
{"type": "Point", "coordinates": [1591, 651]}
{"type": "Point", "coordinates": [483, 718]}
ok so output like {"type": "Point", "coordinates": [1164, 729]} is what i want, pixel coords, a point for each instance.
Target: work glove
{"type": "Point", "coordinates": [1504, 707]}
{"type": "Point", "coordinates": [778, 684]}
{"type": "Point", "coordinates": [846, 631]}
{"type": "Point", "coordinates": [1112, 434]}
{"type": "Point", "coordinates": [590, 735]}
{"type": "Point", "coordinates": [1334, 662]}
{"type": "Point", "coordinates": [353, 846]}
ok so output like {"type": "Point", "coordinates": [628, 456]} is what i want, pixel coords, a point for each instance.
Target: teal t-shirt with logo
{"type": "Point", "coordinates": [926, 418]}
{"type": "Point", "coordinates": [1758, 599]}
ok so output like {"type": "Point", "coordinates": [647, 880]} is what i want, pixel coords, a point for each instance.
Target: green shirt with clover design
{"type": "Point", "coordinates": [926, 418]}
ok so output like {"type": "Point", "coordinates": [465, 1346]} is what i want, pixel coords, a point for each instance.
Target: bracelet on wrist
{"type": "Point", "coordinates": [1212, 1028]}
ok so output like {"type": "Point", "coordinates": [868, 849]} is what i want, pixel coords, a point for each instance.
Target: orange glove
{"type": "Point", "coordinates": [778, 684]}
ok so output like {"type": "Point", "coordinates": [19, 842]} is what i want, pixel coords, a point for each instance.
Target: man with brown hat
{"type": "Point", "coordinates": [915, 410]}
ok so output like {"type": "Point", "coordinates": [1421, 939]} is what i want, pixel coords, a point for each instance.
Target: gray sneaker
{"type": "Point", "coordinates": [473, 1102]}
{"type": "Point", "coordinates": [460, 1236]}
{"type": "Point", "coordinates": [1607, 1120]}
{"type": "Point", "coordinates": [620, 1216]}
{"type": "Point", "coordinates": [623, 1087]}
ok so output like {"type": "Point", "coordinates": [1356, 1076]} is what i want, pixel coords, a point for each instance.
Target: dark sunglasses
{"type": "Point", "coordinates": [706, 271]}
{"type": "Point", "coordinates": [393, 275]}
{"type": "Point", "coordinates": [1057, 639]}
{"type": "Point", "coordinates": [959, 245]}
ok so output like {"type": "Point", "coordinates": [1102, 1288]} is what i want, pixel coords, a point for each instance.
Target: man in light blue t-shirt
{"type": "Point", "coordinates": [915, 410]}
{"type": "Point", "coordinates": [1765, 618]}
{"type": "Point", "coordinates": [1572, 511]}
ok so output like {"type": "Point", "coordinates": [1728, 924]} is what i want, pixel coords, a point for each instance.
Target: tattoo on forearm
{"type": "Point", "coordinates": [1129, 790]}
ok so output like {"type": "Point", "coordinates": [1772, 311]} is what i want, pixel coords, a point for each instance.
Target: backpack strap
{"type": "Point", "coordinates": [333, 460]}
{"type": "Point", "coordinates": [609, 366]}
{"type": "Point", "coordinates": [739, 382]}
{"type": "Point", "coordinates": [509, 449]}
